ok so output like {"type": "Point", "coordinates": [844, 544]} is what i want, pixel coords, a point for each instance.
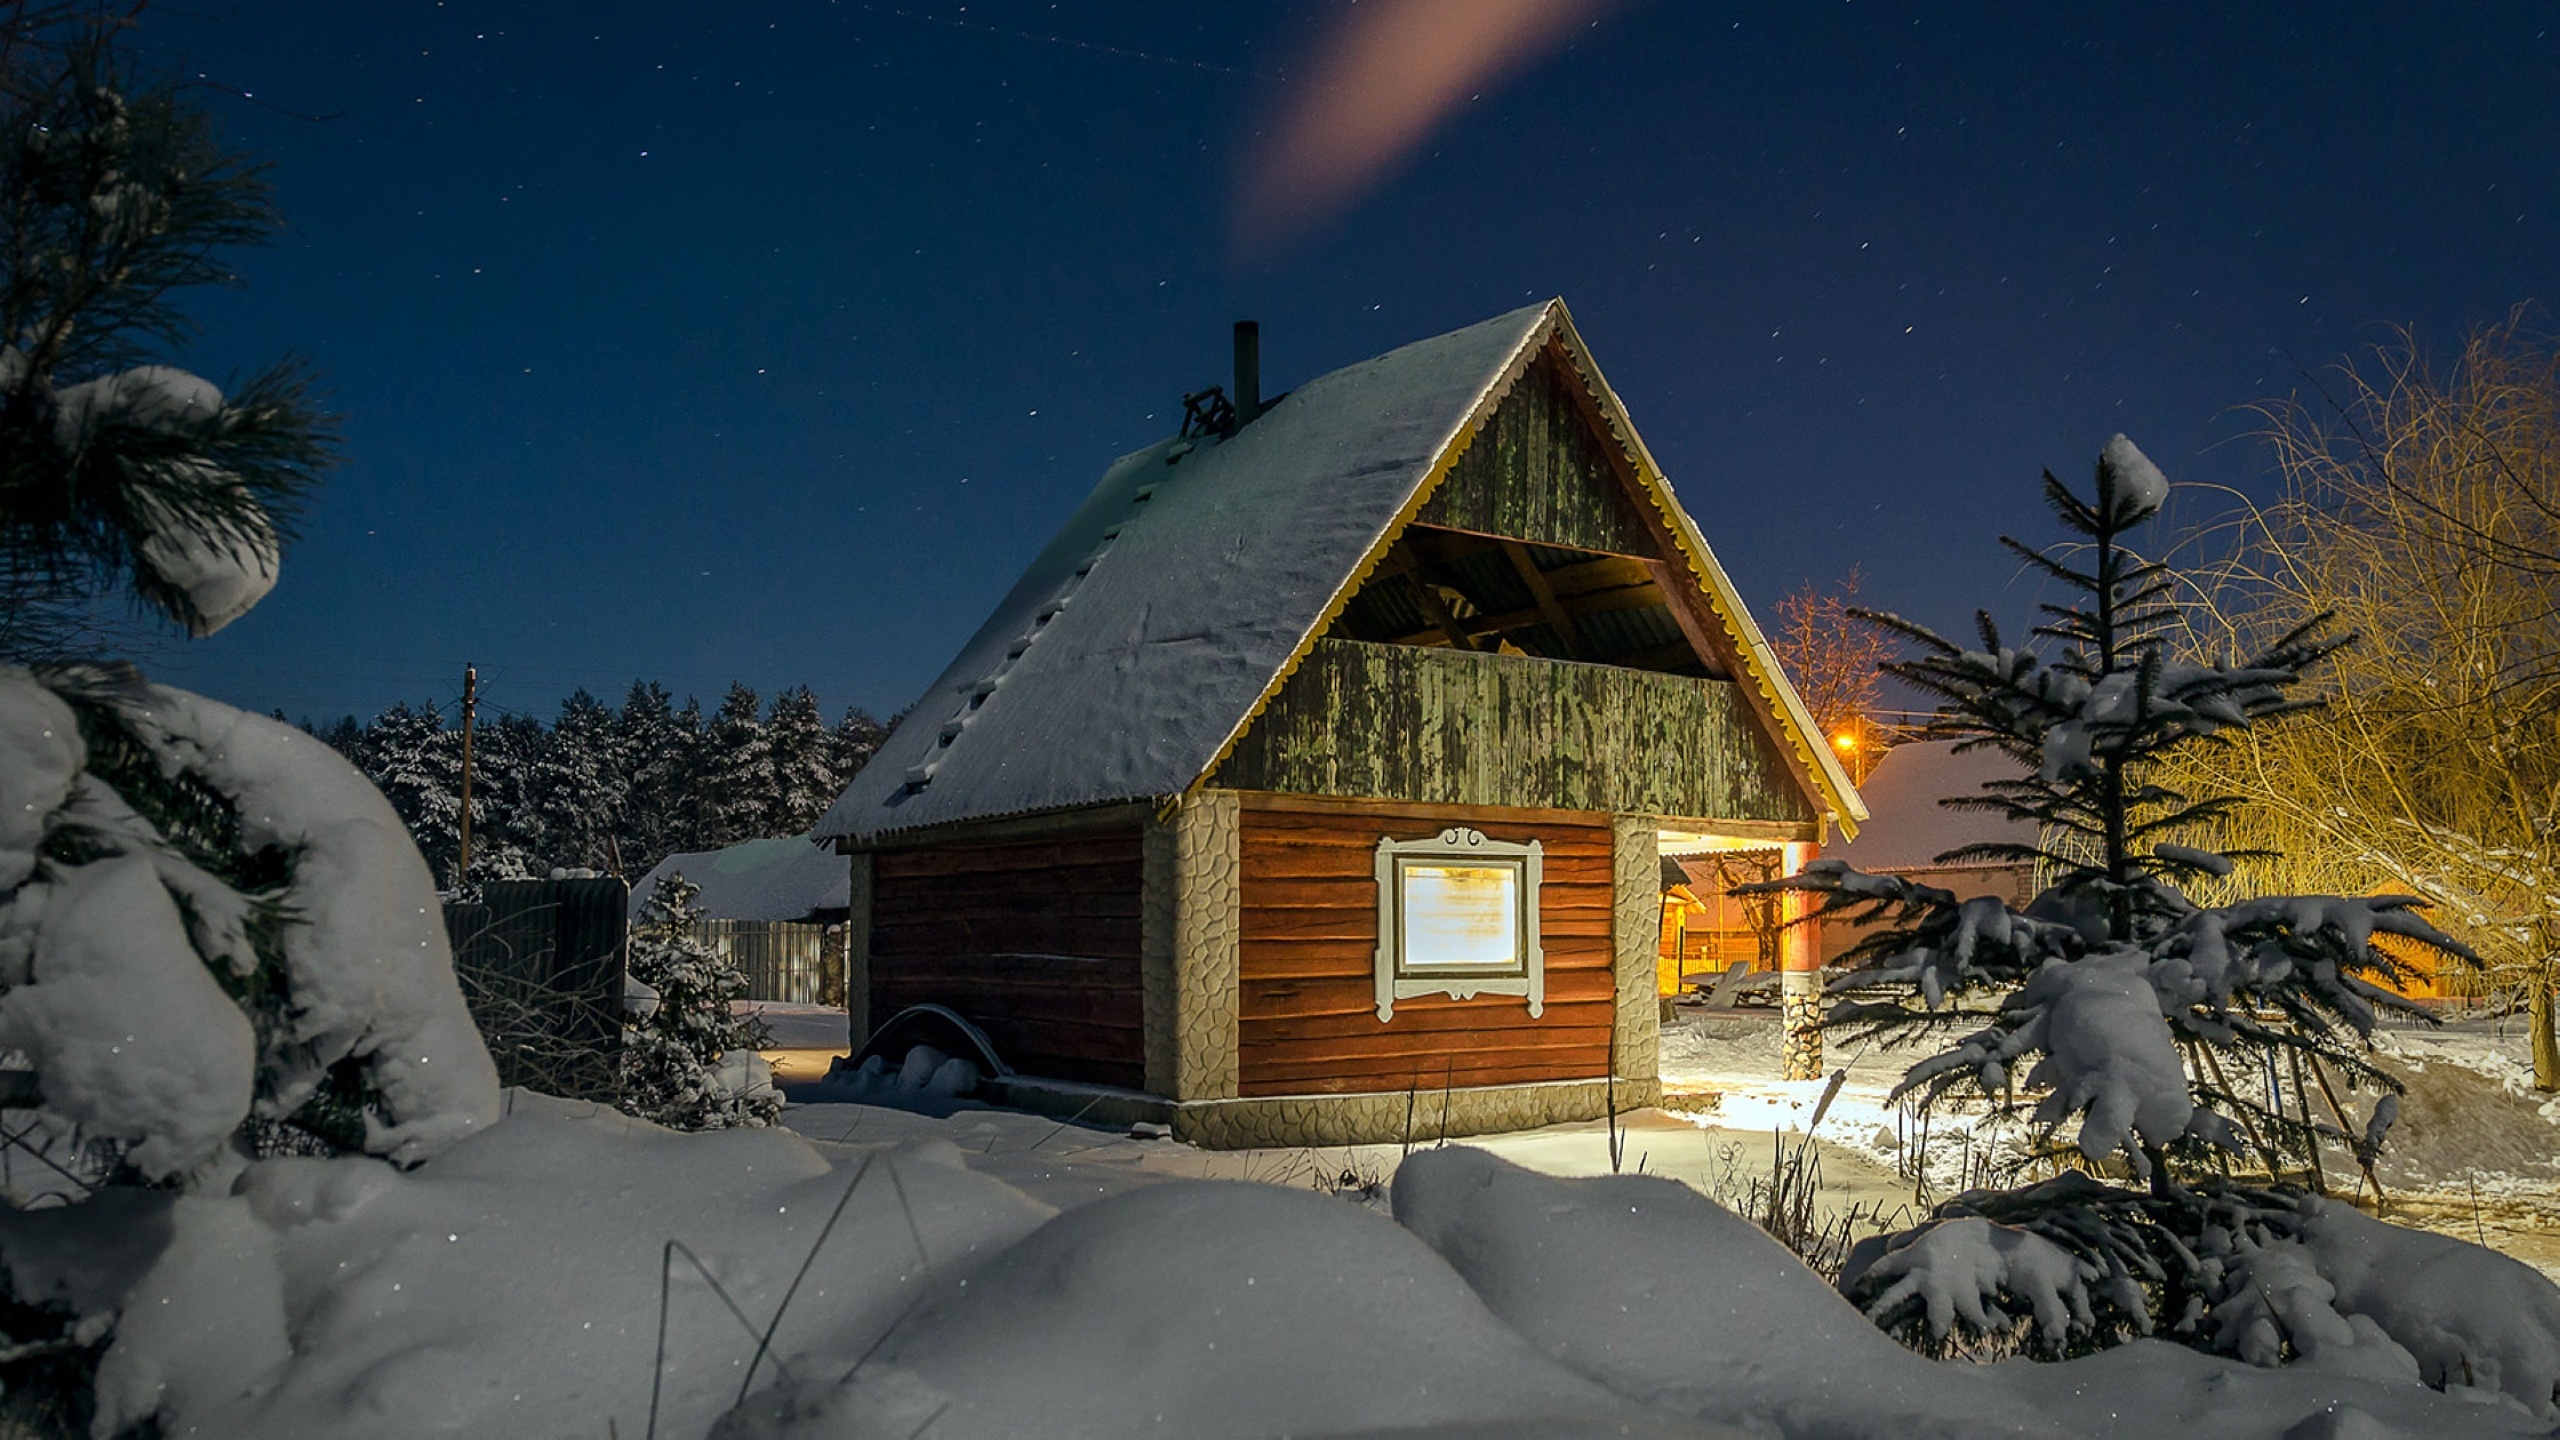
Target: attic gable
{"type": "Point", "coordinates": [1174, 605]}
{"type": "Point", "coordinates": [1531, 546]}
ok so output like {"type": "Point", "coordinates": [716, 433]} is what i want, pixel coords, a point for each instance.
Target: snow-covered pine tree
{"type": "Point", "coordinates": [689, 1060]}
{"type": "Point", "coordinates": [416, 763]}
{"type": "Point", "coordinates": [853, 742]}
{"type": "Point", "coordinates": [804, 771]}
{"type": "Point", "coordinates": [580, 786]}
{"type": "Point", "coordinates": [657, 747]}
{"type": "Point", "coordinates": [506, 838]}
{"type": "Point", "coordinates": [736, 779]}
{"type": "Point", "coordinates": [2114, 998]}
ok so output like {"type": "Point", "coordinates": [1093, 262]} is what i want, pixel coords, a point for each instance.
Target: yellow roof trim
{"type": "Point", "coordinates": [1432, 479]}
{"type": "Point", "coordinates": [1759, 661]}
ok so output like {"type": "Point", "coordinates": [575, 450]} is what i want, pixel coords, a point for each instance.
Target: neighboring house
{"type": "Point", "coordinates": [1324, 759]}
{"type": "Point", "coordinates": [1910, 829]}
{"type": "Point", "coordinates": [782, 879]}
{"type": "Point", "coordinates": [776, 907]}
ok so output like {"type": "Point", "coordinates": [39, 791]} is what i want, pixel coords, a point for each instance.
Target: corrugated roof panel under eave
{"type": "Point", "coordinates": [1174, 600]}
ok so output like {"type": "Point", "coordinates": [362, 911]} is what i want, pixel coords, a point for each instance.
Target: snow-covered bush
{"type": "Point", "coordinates": [689, 1059]}
{"type": "Point", "coordinates": [2115, 999]}
{"type": "Point", "coordinates": [215, 938]}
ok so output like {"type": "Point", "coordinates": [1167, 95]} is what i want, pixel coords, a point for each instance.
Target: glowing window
{"type": "Point", "coordinates": [1458, 916]}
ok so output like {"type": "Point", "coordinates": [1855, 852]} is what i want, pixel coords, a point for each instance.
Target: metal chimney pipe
{"type": "Point", "coordinates": [1248, 371]}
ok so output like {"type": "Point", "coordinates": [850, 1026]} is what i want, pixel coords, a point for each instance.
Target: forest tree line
{"type": "Point", "coordinates": [607, 789]}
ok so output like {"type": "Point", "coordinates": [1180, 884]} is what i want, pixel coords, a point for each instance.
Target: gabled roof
{"type": "Point", "coordinates": [782, 879]}
{"type": "Point", "coordinates": [1168, 611]}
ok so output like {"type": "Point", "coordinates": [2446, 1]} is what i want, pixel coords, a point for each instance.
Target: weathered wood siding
{"type": "Point", "coordinates": [1537, 472]}
{"type": "Point", "coordinates": [1401, 722]}
{"type": "Point", "coordinates": [1036, 941]}
{"type": "Point", "coordinates": [1308, 1012]}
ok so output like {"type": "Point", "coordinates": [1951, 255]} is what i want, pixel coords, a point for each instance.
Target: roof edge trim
{"type": "Point", "coordinates": [1496, 390]}
{"type": "Point", "coordinates": [1759, 660]}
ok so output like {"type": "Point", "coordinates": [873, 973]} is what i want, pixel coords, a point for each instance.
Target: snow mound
{"type": "Point", "coordinates": [1662, 1295]}
{"type": "Point", "coordinates": [2471, 1316]}
{"type": "Point", "coordinates": [512, 1286]}
{"type": "Point", "coordinates": [1193, 1308]}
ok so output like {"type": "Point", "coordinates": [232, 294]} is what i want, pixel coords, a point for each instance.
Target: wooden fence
{"type": "Point", "coordinates": [786, 961]}
{"type": "Point", "coordinates": [540, 963]}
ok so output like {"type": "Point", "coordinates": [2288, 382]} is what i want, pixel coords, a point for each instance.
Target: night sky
{"type": "Point", "coordinates": [768, 341]}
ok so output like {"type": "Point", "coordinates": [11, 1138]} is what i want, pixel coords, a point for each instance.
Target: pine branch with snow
{"type": "Point", "coordinates": [119, 473]}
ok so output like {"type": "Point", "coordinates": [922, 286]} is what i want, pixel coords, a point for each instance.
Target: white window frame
{"type": "Point", "coordinates": [1526, 977]}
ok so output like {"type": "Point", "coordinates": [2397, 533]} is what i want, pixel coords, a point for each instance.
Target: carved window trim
{"type": "Point", "coordinates": [1526, 976]}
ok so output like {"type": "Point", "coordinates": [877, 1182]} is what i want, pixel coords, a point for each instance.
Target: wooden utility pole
{"type": "Point", "coordinates": [470, 698]}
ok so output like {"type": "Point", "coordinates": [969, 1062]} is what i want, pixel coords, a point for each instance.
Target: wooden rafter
{"type": "Point", "coordinates": [1434, 609]}
{"type": "Point", "coordinates": [1536, 580]}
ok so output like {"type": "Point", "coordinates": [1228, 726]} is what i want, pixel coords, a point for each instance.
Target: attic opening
{"type": "Point", "coordinates": [1453, 589]}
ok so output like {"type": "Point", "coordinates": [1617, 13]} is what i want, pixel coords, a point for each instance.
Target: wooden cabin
{"type": "Point", "coordinates": [1309, 788]}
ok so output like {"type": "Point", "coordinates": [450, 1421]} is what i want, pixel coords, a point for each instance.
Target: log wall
{"type": "Point", "coordinates": [1036, 941]}
{"type": "Point", "coordinates": [1308, 1018]}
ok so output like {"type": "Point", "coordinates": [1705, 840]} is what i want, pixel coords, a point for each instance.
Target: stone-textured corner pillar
{"type": "Point", "coordinates": [857, 955]}
{"type": "Point", "coordinates": [1635, 850]}
{"type": "Point", "coordinates": [1188, 955]}
{"type": "Point", "coordinates": [1800, 958]}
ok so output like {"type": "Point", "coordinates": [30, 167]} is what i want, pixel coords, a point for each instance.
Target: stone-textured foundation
{"type": "Point", "coordinates": [1283, 1121]}
{"type": "Point", "coordinates": [1802, 997]}
{"type": "Point", "coordinates": [1420, 1116]}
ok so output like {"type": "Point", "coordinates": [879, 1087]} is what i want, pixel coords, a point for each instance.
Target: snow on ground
{"type": "Point", "coordinates": [993, 1274]}
{"type": "Point", "coordinates": [988, 1272]}
{"type": "Point", "coordinates": [2476, 1151]}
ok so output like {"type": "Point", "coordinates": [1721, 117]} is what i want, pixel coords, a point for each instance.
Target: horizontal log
{"type": "Point", "coordinates": [1421, 1087]}
{"type": "Point", "coordinates": [1312, 831]}
{"type": "Point", "coordinates": [1112, 1010]}
{"type": "Point", "coordinates": [1263, 1000]}
{"type": "Point", "coordinates": [1314, 957]}
{"type": "Point", "coordinates": [1425, 1071]}
{"type": "Point", "coordinates": [1100, 855]}
{"type": "Point", "coordinates": [1360, 868]}
{"type": "Point", "coordinates": [1103, 938]}
{"type": "Point", "coordinates": [907, 907]}
{"type": "Point", "coordinates": [1350, 929]}
{"type": "Point", "coordinates": [1375, 1052]}
{"type": "Point", "coordinates": [1411, 1018]}
{"type": "Point", "coordinates": [1120, 1074]}
{"type": "Point", "coordinates": [1008, 971]}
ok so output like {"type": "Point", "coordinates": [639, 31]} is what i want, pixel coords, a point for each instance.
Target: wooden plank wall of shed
{"type": "Point", "coordinates": [1537, 472]}
{"type": "Point", "coordinates": [1036, 941]}
{"type": "Point", "coordinates": [1460, 728]}
{"type": "Point", "coordinates": [1308, 1017]}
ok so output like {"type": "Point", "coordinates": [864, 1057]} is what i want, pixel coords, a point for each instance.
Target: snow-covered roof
{"type": "Point", "coordinates": [1171, 607]}
{"type": "Point", "coordinates": [1910, 829]}
{"type": "Point", "coordinates": [784, 879]}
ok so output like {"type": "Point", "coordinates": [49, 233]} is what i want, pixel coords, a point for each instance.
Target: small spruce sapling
{"type": "Point", "coordinates": [689, 1060]}
{"type": "Point", "coordinates": [2114, 998]}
